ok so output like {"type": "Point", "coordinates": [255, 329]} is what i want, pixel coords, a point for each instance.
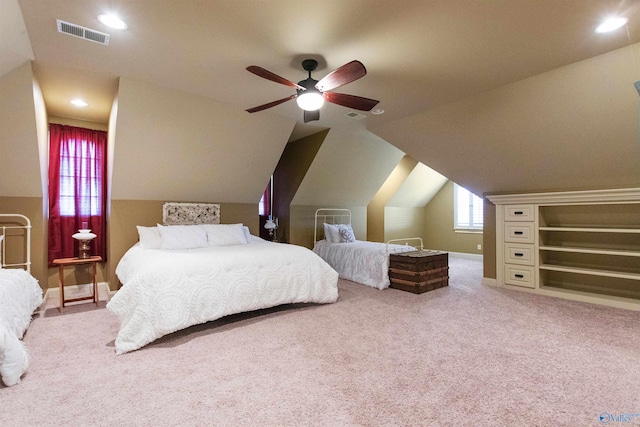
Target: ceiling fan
{"type": "Point", "coordinates": [311, 93]}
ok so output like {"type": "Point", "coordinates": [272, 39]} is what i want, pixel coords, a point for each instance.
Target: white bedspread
{"type": "Point", "coordinates": [168, 290]}
{"type": "Point", "coordinates": [20, 295]}
{"type": "Point", "coordinates": [361, 261]}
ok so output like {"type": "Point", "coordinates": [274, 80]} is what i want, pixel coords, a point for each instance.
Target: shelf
{"type": "Point", "coordinates": [590, 251]}
{"type": "Point", "coordinates": [590, 271]}
{"type": "Point", "coordinates": [593, 229]}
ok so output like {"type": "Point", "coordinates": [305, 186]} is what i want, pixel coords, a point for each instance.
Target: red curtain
{"type": "Point", "coordinates": [77, 189]}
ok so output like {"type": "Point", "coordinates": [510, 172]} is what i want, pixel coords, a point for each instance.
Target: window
{"type": "Point", "coordinates": [467, 208]}
{"type": "Point", "coordinates": [80, 179]}
{"type": "Point", "coordinates": [77, 189]}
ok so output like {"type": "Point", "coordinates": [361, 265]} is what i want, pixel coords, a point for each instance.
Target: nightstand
{"type": "Point", "coordinates": [63, 262]}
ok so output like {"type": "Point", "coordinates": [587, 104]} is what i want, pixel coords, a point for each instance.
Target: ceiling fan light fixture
{"type": "Point", "coordinates": [310, 100]}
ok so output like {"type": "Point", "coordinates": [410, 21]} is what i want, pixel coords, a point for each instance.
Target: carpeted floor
{"type": "Point", "coordinates": [465, 355]}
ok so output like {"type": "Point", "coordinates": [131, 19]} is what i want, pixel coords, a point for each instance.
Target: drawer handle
{"type": "Point", "coordinates": [519, 276]}
{"type": "Point", "coordinates": [518, 213]}
{"type": "Point", "coordinates": [518, 233]}
{"type": "Point", "coordinates": [518, 254]}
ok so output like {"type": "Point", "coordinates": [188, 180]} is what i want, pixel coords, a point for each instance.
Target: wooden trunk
{"type": "Point", "coordinates": [419, 271]}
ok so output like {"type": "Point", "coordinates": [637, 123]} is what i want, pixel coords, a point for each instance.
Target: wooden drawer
{"type": "Point", "coordinates": [519, 213]}
{"type": "Point", "coordinates": [518, 232]}
{"type": "Point", "coordinates": [518, 254]}
{"type": "Point", "coordinates": [519, 275]}
{"type": "Point", "coordinates": [419, 271]}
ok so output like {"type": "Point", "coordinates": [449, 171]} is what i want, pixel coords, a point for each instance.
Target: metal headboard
{"type": "Point", "coordinates": [330, 216]}
{"type": "Point", "coordinates": [18, 222]}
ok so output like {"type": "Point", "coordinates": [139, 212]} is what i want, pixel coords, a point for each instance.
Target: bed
{"type": "Point", "coordinates": [359, 261]}
{"type": "Point", "coordinates": [20, 295]}
{"type": "Point", "coordinates": [194, 271]}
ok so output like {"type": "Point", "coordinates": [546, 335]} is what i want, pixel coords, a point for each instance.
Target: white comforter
{"type": "Point", "coordinates": [360, 261]}
{"type": "Point", "coordinates": [168, 290]}
{"type": "Point", "coordinates": [20, 295]}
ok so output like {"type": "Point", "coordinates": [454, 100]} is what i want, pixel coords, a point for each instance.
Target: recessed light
{"type": "Point", "coordinates": [79, 102]}
{"type": "Point", "coordinates": [112, 21]}
{"type": "Point", "coordinates": [611, 24]}
{"type": "Point", "coordinates": [377, 111]}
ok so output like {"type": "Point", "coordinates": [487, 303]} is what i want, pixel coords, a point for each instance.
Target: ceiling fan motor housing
{"type": "Point", "coordinates": [309, 84]}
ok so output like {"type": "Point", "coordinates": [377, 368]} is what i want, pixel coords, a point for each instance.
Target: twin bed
{"type": "Point", "coordinates": [359, 261]}
{"type": "Point", "coordinates": [20, 295]}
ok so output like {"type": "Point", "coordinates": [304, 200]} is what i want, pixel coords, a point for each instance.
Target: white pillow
{"type": "Point", "coordinates": [247, 233]}
{"type": "Point", "coordinates": [149, 237]}
{"type": "Point", "coordinates": [225, 234]}
{"type": "Point", "coordinates": [346, 233]}
{"type": "Point", "coordinates": [182, 236]}
{"type": "Point", "coordinates": [332, 233]}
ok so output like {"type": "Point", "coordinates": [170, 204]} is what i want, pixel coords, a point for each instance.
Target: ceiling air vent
{"type": "Point", "coordinates": [82, 32]}
{"type": "Point", "coordinates": [354, 115]}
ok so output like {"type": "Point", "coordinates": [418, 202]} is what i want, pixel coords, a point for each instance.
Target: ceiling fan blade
{"type": "Point", "coordinates": [270, 104]}
{"type": "Point", "coordinates": [350, 101]}
{"type": "Point", "coordinates": [310, 116]}
{"type": "Point", "coordinates": [341, 76]}
{"type": "Point", "coordinates": [265, 74]}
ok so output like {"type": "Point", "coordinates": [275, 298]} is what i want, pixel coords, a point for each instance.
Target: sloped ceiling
{"type": "Point", "coordinates": [15, 46]}
{"type": "Point", "coordinates": [576, 127]}
{"type": "Point", "coordinates": [419, 188]}
{"type": "Point", "coordinates": [348, 170]}
{"type": "Point", "coordinates": [466, 85]}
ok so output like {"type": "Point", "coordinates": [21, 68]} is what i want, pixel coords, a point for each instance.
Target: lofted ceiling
{"type": "Point", "coordinates": [420, 54]}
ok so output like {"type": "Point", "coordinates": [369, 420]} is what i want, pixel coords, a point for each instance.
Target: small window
{"type": "Point", "coordinates": [467, 208]}
{"type": "Point", "coordinates": [80, 179]}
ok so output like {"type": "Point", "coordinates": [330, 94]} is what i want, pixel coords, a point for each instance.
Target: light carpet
{"type": "Point", "coordinates": [464, 355]}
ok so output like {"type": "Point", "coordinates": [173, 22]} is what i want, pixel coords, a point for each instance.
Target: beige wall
{"type": "Point", "coordinates": [489, 239]}
{"type": "Point", "coordinates": [302, 223]}
{"type": "Point", "coordinates": [31, 207]}
{"type": "Point", "coordinates": [290, 171]}
{"type": "Point", "coordinates": [348, 169]}
{"type": "Point", "coordinates": [172, 145]}
{"type": "Point", "coordinates": [127, 214]}
{"type": "Point", "coordinates": [376, 224]}
{"type": "Point", "coordinates": [439, 232]}
{"type": "Point", "coordinates": [404, 222]}
{"type": "Point", "coordinates": [575, 127]}
{"type": "Point", "coordinates": [20, 174]}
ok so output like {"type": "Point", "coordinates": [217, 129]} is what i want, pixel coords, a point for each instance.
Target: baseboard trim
{"type": "Point", "coordinates": [476, 257]}
{"type": "Point", "coordinates": [51, 297]}
{"type": "Point", "coordinates": [488, 281]}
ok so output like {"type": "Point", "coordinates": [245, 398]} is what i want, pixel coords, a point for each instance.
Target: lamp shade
{"type": "Point", "coordinates": [310, 100]}
{"type": "Point", "coordinates": [270, 225]}
{"type": "Point", "coordinates": [84, 235]}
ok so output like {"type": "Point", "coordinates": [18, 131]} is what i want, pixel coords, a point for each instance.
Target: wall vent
{"type": "Point", "coordinates": [354, 115]}
{"type": "Point", "coordinates": [82, 32]}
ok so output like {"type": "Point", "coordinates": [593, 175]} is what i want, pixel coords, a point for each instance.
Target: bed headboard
{"type": "Point", "coordinates": [12, 227]}
{"type": "Point", "coordinates": [329, 216]}
{"type": "Point", "coordinates": [174, 213]}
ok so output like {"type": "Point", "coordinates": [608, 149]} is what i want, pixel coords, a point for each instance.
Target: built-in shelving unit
{"type": "Point", "coordinates": [582, 245]}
